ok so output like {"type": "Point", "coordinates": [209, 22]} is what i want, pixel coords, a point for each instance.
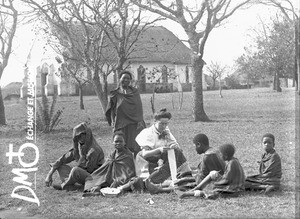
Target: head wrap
{"type": "Point", "coordinates": [77, 130]}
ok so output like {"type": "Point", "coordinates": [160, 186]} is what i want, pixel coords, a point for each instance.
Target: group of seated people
{"type": "Point", "coordinates": [151, 168]}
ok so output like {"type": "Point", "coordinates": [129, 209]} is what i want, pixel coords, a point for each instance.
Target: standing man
{"type": "Point", "coordinates": [125, 111]}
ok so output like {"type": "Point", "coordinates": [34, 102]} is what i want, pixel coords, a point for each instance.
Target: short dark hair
{"type": "Point", "coordinates": [119, 133]}
{"type": "Point", "coordinates": [269, 135]}
{"type": "Point", "coordinates": [125, 72]}
{"type": "Point", "coordinates": [228, 150]}
{"type": "Point", "coordinates": [201, 138]}
{"type": "Point", "coordinates": [163, 113]}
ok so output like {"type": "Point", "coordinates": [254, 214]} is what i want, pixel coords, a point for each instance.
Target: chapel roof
{"type": "Point", "coordinates": [158, 44]}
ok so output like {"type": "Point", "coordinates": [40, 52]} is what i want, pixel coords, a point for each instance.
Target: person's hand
{"type": "Point", "coordinates": [174, 146]}
{"type": "Point", "coordinates": [140, 125]}
{"type": "Point", "coordinates": [164, 149]}
{"type": "Point", "coordinates": [214, 175]}
{"type": "Point", "coordinates": [95, 189]}
{"type": "Point", "coordinates": [48, 180]}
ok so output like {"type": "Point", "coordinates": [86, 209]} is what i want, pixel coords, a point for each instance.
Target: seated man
{"type": "Point", "coordinates": [228, 184]}
{"type": "Point", "coordinates": [88, 154]}
{"type": "Point", "coordinates": [270, 172]}
{"type": "Point", "coordinates": [211, 160]}
{"type": "Point", "coordinates": [152, 161]}
{"type": "Point", "coordinates": [117, 170]}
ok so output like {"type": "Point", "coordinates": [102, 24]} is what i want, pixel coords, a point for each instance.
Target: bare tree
{"type": "Point", "coordinates": [72, 70]}
{"type": "Point", "coordinates": [8, 26]}
{"type": "Point", "coordinates": [79, 32]}
{"type": "Point", "coordinates": [124, 30]}
{"type": "Point", "coordinates": [101, 35]}
{"type": "Point", "coordinates": [198, 20]}
{"type": "Point", "coordinates": [216, 70]}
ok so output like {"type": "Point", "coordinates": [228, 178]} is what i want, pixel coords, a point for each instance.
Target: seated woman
{"type": "Point", "coordinates": [86, 152]}
{"type": "Point", "coordinates": [270, 172]}
{"type": "Point", "coordinates": [152, 161]}
{"type": "Point", "coordinates": [231, 183]}
{"type": "Point", "coordinates": [116, 171]}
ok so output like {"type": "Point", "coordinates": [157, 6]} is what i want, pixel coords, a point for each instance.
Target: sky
{"type": "Point", "coordinates": [225, 44]}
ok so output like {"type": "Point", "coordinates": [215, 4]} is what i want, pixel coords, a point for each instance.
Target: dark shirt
{"type": "Point", "coordinates": [211, 160]}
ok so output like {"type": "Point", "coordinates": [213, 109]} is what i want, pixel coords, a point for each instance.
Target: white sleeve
{"type": "Point", "coordinates": [145, 138]}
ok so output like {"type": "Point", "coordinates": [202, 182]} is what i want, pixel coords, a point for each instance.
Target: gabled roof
{"type": "Point", "coordinates": [158, 44]}
{"type": "Point", "coordinates": [155, 44]}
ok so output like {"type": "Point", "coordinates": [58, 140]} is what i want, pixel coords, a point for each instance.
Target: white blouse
{"type": "Point", "coordinates": [149, 137]}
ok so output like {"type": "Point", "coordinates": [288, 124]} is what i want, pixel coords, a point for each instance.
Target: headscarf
{"type": "Point", "coordinates": [77, 130]}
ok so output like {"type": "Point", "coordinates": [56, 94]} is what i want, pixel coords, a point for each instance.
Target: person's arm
{"type": "Point", "coordinates": [149, 152]}
{"type": "Point", "coordinates": [223, 181]}
{"type": "Point", "coordinates": [49, 180]}
{"type": "Point", "coordinates": [64, 159]}
{"type": "Point", "coordinates": [91, 160]}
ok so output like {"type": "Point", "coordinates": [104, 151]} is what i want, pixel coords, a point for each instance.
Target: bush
{"type": "Point", "coordinates": [46, 119]}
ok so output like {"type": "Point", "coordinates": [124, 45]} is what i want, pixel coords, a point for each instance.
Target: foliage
{"type": "Point", "coordinates": [272, 54]}
{"type": "Point", "coordinates": [289, 10]}
{"type": "Point", "coordinates": [232, 81]}
{"type": "Point", "coordinates": [46, 117]}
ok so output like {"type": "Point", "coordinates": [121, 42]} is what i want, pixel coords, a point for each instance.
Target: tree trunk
{"type": "Point", "coordinates": [2, 110]}
{"type": "Point", "coordinates": [198, 110]}
{"type": "Point", "coordinates": [220, 88]}
{"type": "Point", "coordinates": [278, 88]}
{"type": "Point", "coordinates": [274, 81]}
{"type": "Point", "coordinates": [297, 56]}
{"type": "Point", "coordinates": [81, 105]}
{"type": "Point", "coordinates": [101, 91]}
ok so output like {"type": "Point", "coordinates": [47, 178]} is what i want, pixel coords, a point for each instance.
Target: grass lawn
{"type": "Point", "coordinates": [241, 118]}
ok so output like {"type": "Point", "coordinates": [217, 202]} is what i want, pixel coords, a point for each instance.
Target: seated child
{"type": "Point", "coordinates": [117, 170]}
{"type": "Point", "coordinates": [211, 160]}
{"type": "Point", "coordinates": [270, 173]}
{"type": "Point", "coordinates": [228, 184]}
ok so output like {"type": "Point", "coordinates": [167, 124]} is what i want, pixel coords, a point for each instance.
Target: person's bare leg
{"type": "Point", "coordinates": [196, 193]}
{"type": "Point", "coordinates": [156, 188]}
{"type": "Point", "coordinates": [203, 183]}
